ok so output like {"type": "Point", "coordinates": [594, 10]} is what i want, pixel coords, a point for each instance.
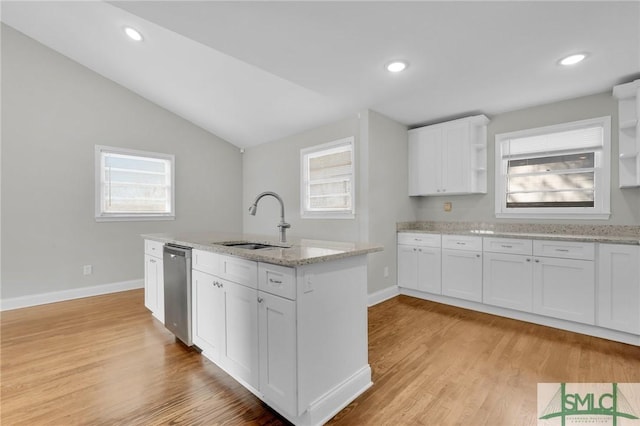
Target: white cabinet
{"type": "Point", "coordinates": [564, 285]}
{"type": "Point", "coordinates": [628, 133]}
{"type": "Point", "coordinates": [225, 316]}
{"type": "Point", "coordinates": [154, 279]}
{"type": "Point", "coordinates": [462, 267]}
{"type": "Point", "coordinates": [508, 273]}
{"type": "Point", "coordinates": [449, 158]}
{"type": "Point", "coordinates": [239, 355]}
{"type": "Point", "coordinates": [277, 337]}
{"type": "Point", "coordinates": [619, 287]}
{"type": "Point", "coordinates": [419, 262]}
{"type": "Point", "coordinates": [208, 314]}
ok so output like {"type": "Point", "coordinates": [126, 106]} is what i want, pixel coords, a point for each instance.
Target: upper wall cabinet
{"type": "Point", "coordinates": [449, 158]}
{"type": "Point", "coordinates": [629, 133]}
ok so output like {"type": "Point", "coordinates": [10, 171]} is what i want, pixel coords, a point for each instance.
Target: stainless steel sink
{"type": "Point", "coordinates": [248, 245]}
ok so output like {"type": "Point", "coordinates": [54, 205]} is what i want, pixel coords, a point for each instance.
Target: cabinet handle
{"type": "Point", "coordinates": [444, 190]}
{"type": "Point", "coordinates": [417, 239]}
{"type": "Point", "coordinates": [537, 260]}
{"type": "Point", "coordinates": [271, 280]}
{"type": "Point", "coordinates": [260, 300]}
{"type": "Point", "coordinates": [152, 261]}
{"type": "Point", "coordinates": [415, 249]}
{"type": "Point", "coordinates": [477, 255]}
{"type": "Point", "coordinates": [528, 260]}
{"type": "Point", "coordinates": [563, 250]}
{"type": "Point", "coordinates": [506, 246]}
{"type": "Point", "coordinates": [420, 250]}
{"type": "Point", "coordinates": [461, 244]}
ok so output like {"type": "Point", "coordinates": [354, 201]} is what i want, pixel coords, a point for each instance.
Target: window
{"type": "Point", "coordinates": [328, 180]}
{"type": "Point", "coordinates": [555, 172]}
{"type": "Point", "coordinates": [133, 185]}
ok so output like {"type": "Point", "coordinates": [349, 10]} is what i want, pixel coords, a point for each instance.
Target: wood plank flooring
{"type": "Point", "coordinates": [105, 361]}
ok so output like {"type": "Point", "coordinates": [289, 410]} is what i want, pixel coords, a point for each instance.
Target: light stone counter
{"type": "Point", "coordinates": [610, 234]}
{"type": "Point", "coordinates": [294, 252]}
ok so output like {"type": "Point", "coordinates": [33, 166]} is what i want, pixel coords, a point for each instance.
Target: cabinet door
{"type": "Point", "coordinates": [425, 161]}
{"type": "Point", "coordinates": [462, 274]}
{"type": "Point", "coordinates": [154, 286]}
{"type": "Point", "coordinates": [429, 269]}
{"type": "Point", "coordinates": [619, 287]}
{"type": "Point", "coordinates": [208, 314]}
{"type": "Point", "coordinates": [408, 267]}
{"type": "Point", "coordinates": [456, 157]}
{"type": "Point", "coordinates": [277, 319]}
{"type": "Point", "coordinates": [240, 350]}
{"type": "Point", "coordinates": [508, 281]}
{"type": "Point", "coordinates": [564, 288]}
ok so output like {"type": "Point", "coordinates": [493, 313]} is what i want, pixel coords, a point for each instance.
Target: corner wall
{"type": "Point", "coordinates": [54, 111]}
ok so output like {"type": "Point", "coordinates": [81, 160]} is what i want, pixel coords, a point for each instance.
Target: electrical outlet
{"type": "Point", "coordinates": [448, 206]}
{"type": "Point", "coordinates": [87, 269]}
{"type": "Point", "coordinates": [386, 272]}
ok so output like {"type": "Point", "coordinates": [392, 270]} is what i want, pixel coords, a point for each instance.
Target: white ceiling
{"type": "Point", "coordinates": [253, 72]}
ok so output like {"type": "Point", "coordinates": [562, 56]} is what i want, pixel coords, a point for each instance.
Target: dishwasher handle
{"type": "Point", "coordinates": [175, 250]}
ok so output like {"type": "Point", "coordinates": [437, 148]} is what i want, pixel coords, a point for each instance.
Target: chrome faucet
{"type": "Point", "coordinates": [282, 225]}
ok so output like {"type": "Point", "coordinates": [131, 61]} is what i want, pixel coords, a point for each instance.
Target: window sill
{"type": "Point", "coordinates": [571, 216]}
{"type": "Point", "coordinates": [327, 215]}
{"type": "Point", "coordinates": [132, 218]}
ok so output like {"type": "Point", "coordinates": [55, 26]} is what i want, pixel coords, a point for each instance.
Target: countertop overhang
{"type": "Point", "coordinates": [295, 252]}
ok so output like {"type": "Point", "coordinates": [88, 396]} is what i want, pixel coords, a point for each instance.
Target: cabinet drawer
{"type": "Point", "coordinates": [205, 261]}
{"type": "Point", "coordinates": [507, 245]}
{"type": "Point", "coordinates": [153, 248]}
{"type": "Point", "coordinates": [419, 239]}
{"type": "Point", "coordinates": [564, 249]}
{"type": "Point", "coordinates": [461, 242]}
{"type": "Point", "coordinates": [278, 280]}
{"type": "Point", "coordinates": [238, 270]}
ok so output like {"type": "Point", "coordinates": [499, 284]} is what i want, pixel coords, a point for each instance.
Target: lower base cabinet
{"type": "Point", "coordinates": [619, 287]}
{"type": "Point", "coordinates": [277, 331]}
{"type": "Point", "coordinates": [297, 340]}
{"type": "Point", "coordinates": [225, 324]}
{"type": "Point", "coordinates": [508, 281]}
{"type": "Point", "coordinates": [541, 281]}
{"type": "Point", "coordinates": [240, 348]}
{"type": "Point", "coordinates": [565, 289]}
{"type": "Point", "coordinates": [208, 313]}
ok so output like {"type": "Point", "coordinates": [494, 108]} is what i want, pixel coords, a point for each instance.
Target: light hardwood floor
{"type": "Point", "coordinates": [106, 361]}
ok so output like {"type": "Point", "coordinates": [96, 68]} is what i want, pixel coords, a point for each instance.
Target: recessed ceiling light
{"type": "Point", "coordinates": [396, 66]}
{"type": "Point", "coordinates": [573, 59]}
{"type": "Point", "coordinates": [133, 33]}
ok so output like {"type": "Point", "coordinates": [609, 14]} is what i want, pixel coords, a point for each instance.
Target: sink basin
{"type": "Point", "coordinates": [247, 245]}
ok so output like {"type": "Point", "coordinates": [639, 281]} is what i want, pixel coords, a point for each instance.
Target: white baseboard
{"type": "Point", "coordinates": [382, 295]}
{"type": "Point", "coordinates": [60, 296]}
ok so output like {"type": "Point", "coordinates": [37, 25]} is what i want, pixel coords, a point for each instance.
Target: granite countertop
{"type": "Point", "coordinates": [295, 252]}
{"type": "Point", "coordinates": [612, 234]}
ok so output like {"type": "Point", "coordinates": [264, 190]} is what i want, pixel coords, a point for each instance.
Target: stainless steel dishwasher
{"type": "Point", "coordinates": [177, 291]}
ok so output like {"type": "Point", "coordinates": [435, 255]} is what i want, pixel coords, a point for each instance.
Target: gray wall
{"type": "Point", "coordinates": [625, 203]}
{"type": "Point", "coordinates": [53, 113]}
{"type": "Point", "coordinates": [381, 180]}
{"type": "Point", "coordinates": [388, 201]}
{"type": "Point", "coordinates": [275, 166]}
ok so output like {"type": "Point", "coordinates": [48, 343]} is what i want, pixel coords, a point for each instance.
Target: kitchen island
{"type": "Point", "coordinates": [288, 321]}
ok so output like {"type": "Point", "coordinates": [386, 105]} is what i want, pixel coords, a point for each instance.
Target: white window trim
{"type": "Point", "coordinates": [130, 217]}
{"type": "Point", "coordinates": [331, 214]}
{"type": "Point", "coordinates": [601, 209]}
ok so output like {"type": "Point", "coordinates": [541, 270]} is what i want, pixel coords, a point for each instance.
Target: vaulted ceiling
{"type": "Point", "coordinates": [253, 72]}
